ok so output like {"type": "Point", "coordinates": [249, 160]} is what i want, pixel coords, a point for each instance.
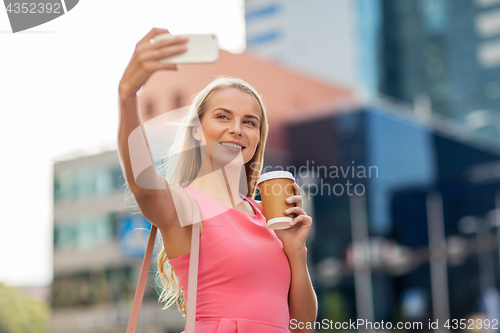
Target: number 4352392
{"type": "Point", "coordinates": [33, 8]}
{"type": "Point", "coordinates": [469, 324]}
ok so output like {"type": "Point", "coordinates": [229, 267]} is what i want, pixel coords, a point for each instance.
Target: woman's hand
{"type": "Point", "coordinates": [294, 238]}
{"type": "Point", "coordinates": [145, 60]}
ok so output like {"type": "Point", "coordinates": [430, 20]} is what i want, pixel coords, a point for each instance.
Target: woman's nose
{"type": "Point", "coordinates": [235, 129]}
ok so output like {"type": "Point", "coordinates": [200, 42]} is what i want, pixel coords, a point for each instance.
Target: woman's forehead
{"type": "Point", "coordinates": [235, 100]}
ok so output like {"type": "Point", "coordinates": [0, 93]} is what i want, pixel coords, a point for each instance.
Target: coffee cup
{"type": "Point", "coordinates": [275, 187]}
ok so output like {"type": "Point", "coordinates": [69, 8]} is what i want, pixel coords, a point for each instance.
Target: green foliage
{"type": "Point", "coordinates": [334, 309]}
{"type": "Point", "coordinates": [21, 314]}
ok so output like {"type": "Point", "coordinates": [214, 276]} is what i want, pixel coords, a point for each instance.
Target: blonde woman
{"type": "Point", "coordinates": [251, 278]}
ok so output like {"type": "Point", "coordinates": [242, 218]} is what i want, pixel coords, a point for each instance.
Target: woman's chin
{"type": "Point", "coordinates": [225, 157]}
{"type": "Point", "coordinates": [229, 160]}
{"type": "Point", "coordinates": [237, 161]}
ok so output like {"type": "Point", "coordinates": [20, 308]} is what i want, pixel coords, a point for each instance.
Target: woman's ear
{"type": "Point", "coordinates": [195, 133]}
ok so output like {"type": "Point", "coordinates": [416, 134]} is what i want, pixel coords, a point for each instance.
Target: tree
{"type": "Point", "coordinates": [20, 314]}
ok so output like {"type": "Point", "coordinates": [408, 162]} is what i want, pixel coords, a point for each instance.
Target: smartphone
{"type": "Point", "coordinates": [201, 48]}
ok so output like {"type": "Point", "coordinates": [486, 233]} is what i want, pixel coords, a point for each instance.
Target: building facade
{"type": "Point", "coordinates": [99, 243]}
{"type": "Point", "coordinates": [442, 56]}
{"type": "Point", "coordinates": [381, 152]}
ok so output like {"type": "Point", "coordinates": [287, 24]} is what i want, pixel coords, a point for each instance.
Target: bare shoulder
{"type": "Point", "coordinates": [177, 239]}
{"type": "Point", "coordinates": [184, 202]}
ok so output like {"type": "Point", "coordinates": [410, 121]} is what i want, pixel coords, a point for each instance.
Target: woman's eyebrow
{"type": "Point", "coordinates": [231, 113]}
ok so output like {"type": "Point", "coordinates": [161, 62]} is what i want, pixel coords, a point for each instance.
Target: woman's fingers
{"type": "Point", "coordinates": [297, 199]}
{"type": "Point", "coordinates": [169, 41]}
{"type": "Point", "coordinates": [152, 34]}
{"type": "Point", "coordinates": [304, 219]}
{"type": "Point", "coordinates": [296, 188]}
{"type": "Point", "coordinates": [162, 43]}
{"type": "Point", "coordinates": [146, 60]}
{"type": "Point", "coordinates": [294, 199]}
{"type": "Point", "coordinates": [297, 210]}
{"type": "Point", "coordinates": [149, 54]}
{"type": "Point", "coordinates": [153, 66]}
{"type": "Point", "coordinates": [157, 54]}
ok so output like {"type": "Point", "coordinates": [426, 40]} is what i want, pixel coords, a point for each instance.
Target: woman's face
{"type": "Point", "coordinates": [231, 116]}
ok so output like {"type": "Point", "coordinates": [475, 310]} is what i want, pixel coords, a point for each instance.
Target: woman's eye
{"type": "Point", "coordinates": [247, 121]}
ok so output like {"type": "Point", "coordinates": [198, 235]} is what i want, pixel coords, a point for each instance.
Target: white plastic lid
{"type": "Point", "coordinates": [279, 223]}
{"type": "Point", "coordinates": [275, 174]}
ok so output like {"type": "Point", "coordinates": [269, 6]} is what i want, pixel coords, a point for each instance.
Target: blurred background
{"type": "Point", "coordinates": [386, 111]}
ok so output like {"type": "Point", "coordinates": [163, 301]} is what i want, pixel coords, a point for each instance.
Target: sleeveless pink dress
{"type": "Point", "coordinates": [243, 276]}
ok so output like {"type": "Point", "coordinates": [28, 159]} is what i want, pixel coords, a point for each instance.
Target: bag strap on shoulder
{"type": "Point", "coordinates": [192, 279]}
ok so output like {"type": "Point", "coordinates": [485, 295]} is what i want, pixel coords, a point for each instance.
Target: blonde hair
{"type": "Point", "coordinates": [187, 165]}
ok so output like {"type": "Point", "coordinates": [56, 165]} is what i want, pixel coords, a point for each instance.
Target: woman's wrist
{"type": "Point", "coordinates": [125, 93]}
{"type": "Point", "coordinates": [298, 254]}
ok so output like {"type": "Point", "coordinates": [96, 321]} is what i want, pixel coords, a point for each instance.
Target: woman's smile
{"type": "Point", "coordinates": [232, 146]}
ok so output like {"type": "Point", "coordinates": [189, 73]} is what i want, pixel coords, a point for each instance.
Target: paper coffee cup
{"type": "Point", "coordinates": [275, 187]}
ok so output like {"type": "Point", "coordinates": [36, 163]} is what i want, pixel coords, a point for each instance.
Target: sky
{"type": "Point", "coordinates": [59, 96]}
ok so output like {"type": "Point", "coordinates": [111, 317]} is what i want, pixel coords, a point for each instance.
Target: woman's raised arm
{"type": "Point", "coordinates": [149, 187]}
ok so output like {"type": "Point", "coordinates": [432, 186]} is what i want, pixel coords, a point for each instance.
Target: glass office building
{"type": "Point", "coordinates": [446, 50]}
{"type": "Point", "coordinates": [473, 269]}
{"type": "Point", "coordinates": [381, 153]}
{"type": "Point", "coordinates": [443, 56]}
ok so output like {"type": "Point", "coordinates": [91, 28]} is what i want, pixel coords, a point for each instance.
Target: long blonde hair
{"type": "Point", "coordinates": [186, 166]}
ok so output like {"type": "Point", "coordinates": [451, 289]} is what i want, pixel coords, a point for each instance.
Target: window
{"type": "Point", "coordinates": [63, 186]}
{"type": "Point", "coordinates": [84, 232]}
{"type": "Point", "coordinates": [435, 15]}
{"type": "Point", "coordinates": [87, 182]}
{"type": "Point", "coordinates": [103, 178]}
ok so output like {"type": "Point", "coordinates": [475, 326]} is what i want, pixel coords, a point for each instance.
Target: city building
{"type": "Point", "coordinates": [470, 231]}
{"type": "Point", "coordinates": [446, 51]}
{"type": "Point", "coordinates": [443, 56]}
{"type": "Point", "coordinates": [315, 38]}
{"type": "Point", "coordinates": [99, 243]}
{"type": "Point", "coordinates": [380, 152]}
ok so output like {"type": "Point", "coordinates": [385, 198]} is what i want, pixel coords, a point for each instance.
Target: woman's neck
{"type": "Point", "coordinates": [223, 183]}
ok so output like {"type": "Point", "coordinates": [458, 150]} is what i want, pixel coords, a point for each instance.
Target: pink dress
{"type": "Point", "coordinates": [244, 275]}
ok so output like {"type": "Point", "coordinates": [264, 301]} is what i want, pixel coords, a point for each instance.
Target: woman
{"type": "Point", "coordinates": [251, 278]}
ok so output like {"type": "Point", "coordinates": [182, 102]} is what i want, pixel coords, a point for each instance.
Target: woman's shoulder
{"type": "Point", "coordinates": [185, 205]}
